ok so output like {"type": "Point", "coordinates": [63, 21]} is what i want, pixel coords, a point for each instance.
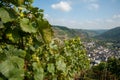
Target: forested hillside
{"type": "Point", "coordinates": [64, 32]}
{"type": "Point", "coordinates": [112, 34]}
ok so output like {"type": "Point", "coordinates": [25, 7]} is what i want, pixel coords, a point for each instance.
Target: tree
{"type": "Point", "coordinates": [113, 66]}
{"type": "Point", "coordinates": [109, 70]}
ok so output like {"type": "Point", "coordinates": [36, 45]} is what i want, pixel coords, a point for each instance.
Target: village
{"type": "Point", "coordinates": [99, 53]}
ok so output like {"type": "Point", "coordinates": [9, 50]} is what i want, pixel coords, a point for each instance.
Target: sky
{"type": "Point", "coordinates": [81, 14]}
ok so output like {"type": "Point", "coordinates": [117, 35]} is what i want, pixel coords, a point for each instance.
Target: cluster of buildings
{"type": "Point", "coordinates": [98, 53]}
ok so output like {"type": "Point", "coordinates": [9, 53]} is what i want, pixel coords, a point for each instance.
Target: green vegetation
{"type": "Point", "coordinates": [105, 35]}
{"type": "Point", "coordinates": [27, 50]}
{"type": "Point", "coordinates": [64, 32]}
{"type": "Point", "coordinates": [112, 34]}
{"type": "Point", "coordinates": [109, 70]}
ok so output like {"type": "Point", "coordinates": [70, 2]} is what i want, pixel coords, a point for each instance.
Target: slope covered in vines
{"type": "Point", "coordinates": [27, 49]}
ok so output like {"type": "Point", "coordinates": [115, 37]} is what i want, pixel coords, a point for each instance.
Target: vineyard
{"type": "Point", "coordinates": [28, 50]}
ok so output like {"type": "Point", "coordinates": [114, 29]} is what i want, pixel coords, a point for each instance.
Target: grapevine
{"type": "Point", "coordinates": [27, 49]}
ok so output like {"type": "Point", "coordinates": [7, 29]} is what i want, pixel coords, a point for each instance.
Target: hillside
{"type": "Point", "coordinates": [112, 34]}
{"type": "Point", "coordinates": [90, 33]}
{"type": "Point", "coordinates": [63, 32]}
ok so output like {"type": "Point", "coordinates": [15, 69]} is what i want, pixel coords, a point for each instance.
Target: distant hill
{"type": "Point", "coordinates": [64, 32]}
{"type": "Point", "coordinates": [112, 34]}
{"type": "Point", "coordinates": [90, 33]}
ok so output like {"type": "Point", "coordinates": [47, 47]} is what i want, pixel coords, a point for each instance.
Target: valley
{"type": "Point", "coordinates": [100, 44]}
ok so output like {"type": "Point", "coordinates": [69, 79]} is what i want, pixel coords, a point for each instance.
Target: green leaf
{"type": "Point", "coordinates": [16, 2]}
{"type": "Point", "coordinates": [51, 68]}
{"type": "Point", "coordinates": [12, 68]}
{"type": "Point", "coordinates": [1, 78]}
{"type": "Point", "coordinates": [12, 51]}
{"type": "Point", "coordinates": [28, 26]}
{"type": "Point", "coordinates": [7, 15]}
{"type": "Point", "coordinates": [1, 25]}
{"type": "Point", "coordinates": [21, 53]}
{"type": "Point", "coordinates": [19, 2]}
{"type": "Point", "coordinates": [31, 1]}
{"type": "Point", "coordinates": [61, 64]}
{"type": "Point", "coordinates": [46, 31]}
{"type": "Point", "coordinates": [38, 71]}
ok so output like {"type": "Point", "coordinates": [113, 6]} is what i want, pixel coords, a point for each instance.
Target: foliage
{"type": "Point", "coordinates": [113, 66]}
{"type": "Point", "coordinates": [27, 51]}
{"type": "Point", "coordinates": [112, 34]}
{"type": "Point", "coordinates": [109, 70]}
{"type": "Point", "coordinates": [64, 32]}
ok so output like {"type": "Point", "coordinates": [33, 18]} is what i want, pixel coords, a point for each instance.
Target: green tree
{"type": "Point", "coordinates": [113, 66]}
{"type": "Point", "coordinates": [109, 70]}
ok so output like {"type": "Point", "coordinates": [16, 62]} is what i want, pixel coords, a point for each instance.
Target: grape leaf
{"type": "Point", "coordinates": [61, 64]}
{"type": "Point", "coordinates": [38, 71]}
{"type": "Point", "coordinates": [51, 68]}
{"type": "Point", "coordinates": [12, 68]}
{"type": "Point", "coordinates": [7, 15]}
{"type": "Point", "coordinates": [27, 26]}
{"type": "Point", "coordinates": [45, 30]}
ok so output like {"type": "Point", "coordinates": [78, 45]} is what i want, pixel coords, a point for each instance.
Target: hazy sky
{"type": "Point", "coordinates": [81, 14]}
